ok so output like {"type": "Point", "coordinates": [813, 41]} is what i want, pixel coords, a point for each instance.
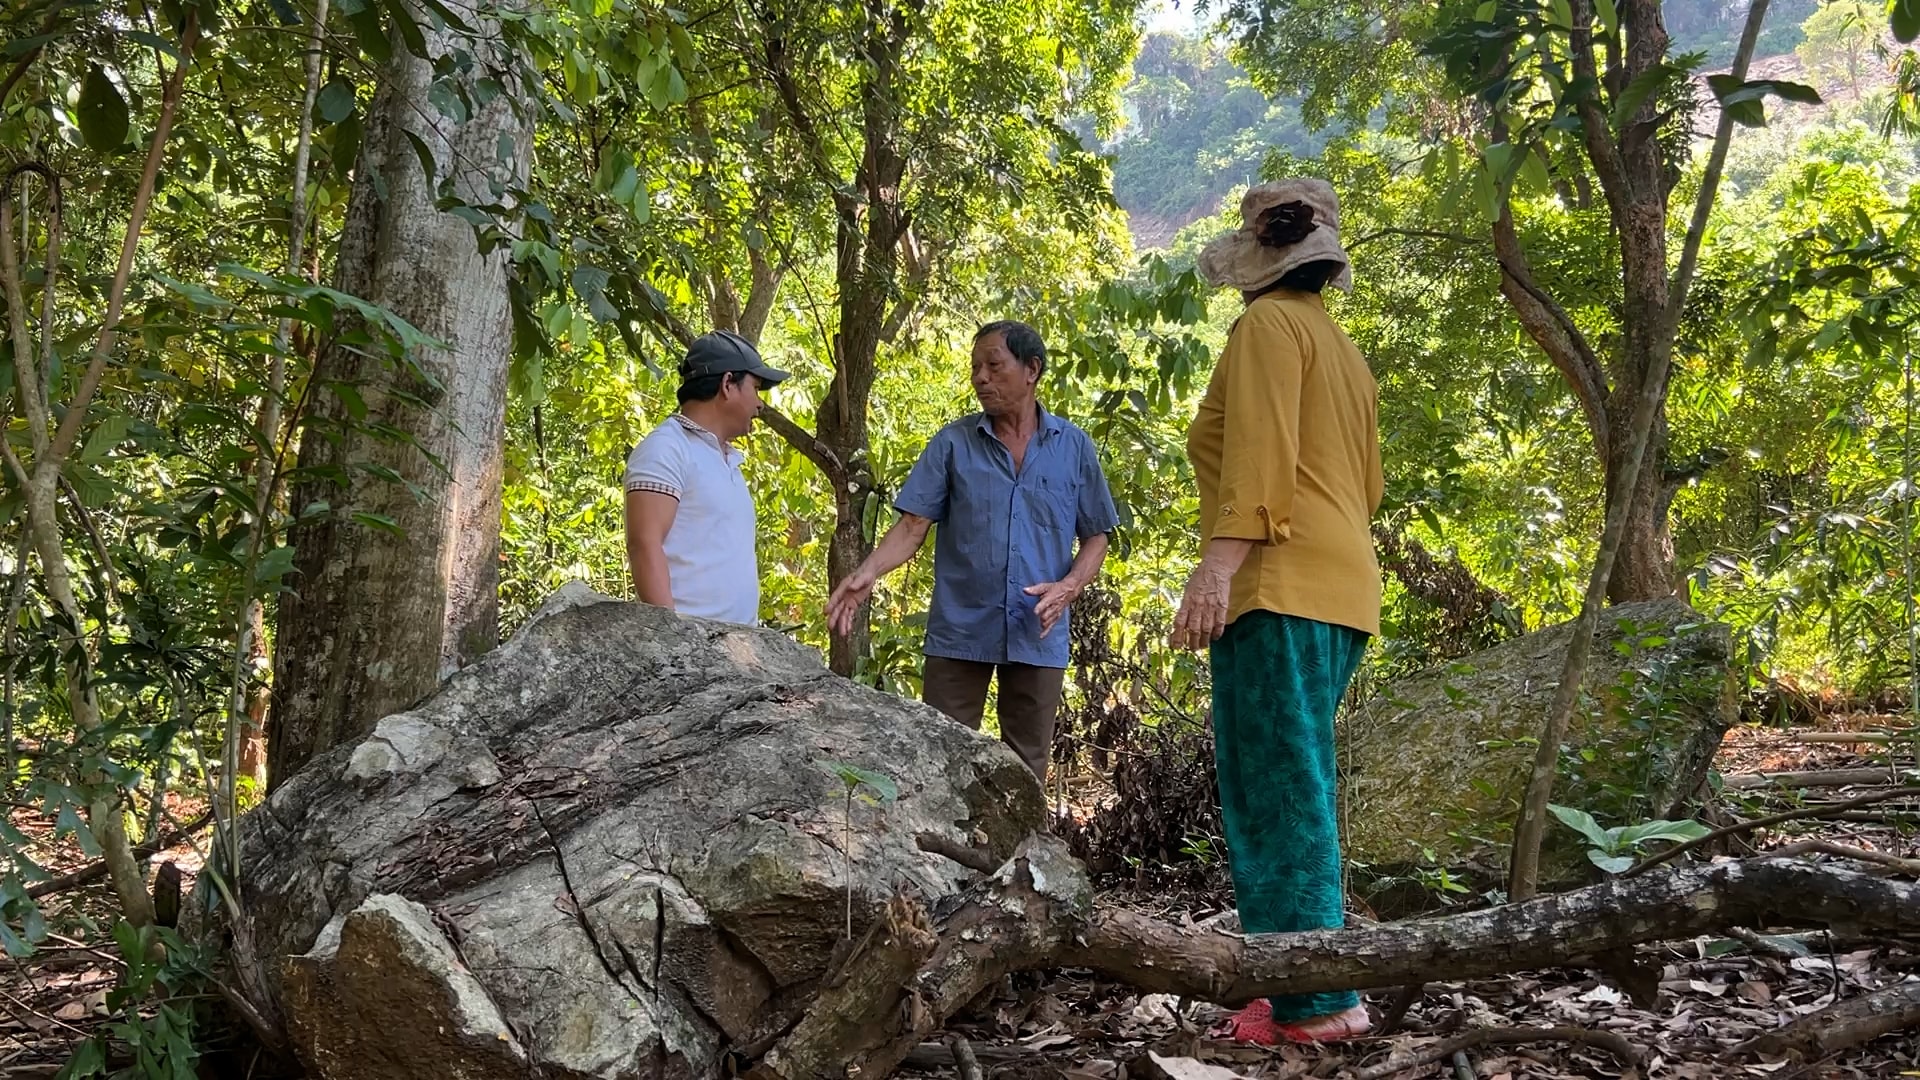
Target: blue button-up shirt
{"type": "Point", "coordinates": [1000, 531]}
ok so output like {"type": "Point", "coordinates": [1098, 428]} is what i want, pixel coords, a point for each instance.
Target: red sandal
{"type": "Point", "coordinates": [1255, 1025]}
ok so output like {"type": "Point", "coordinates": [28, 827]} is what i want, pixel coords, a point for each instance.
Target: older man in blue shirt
{"type": "Point", "coordinates": [1012, 487]}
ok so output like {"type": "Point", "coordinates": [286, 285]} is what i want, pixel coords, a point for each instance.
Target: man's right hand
{"type": "Point", "coordinates": [845, 602]}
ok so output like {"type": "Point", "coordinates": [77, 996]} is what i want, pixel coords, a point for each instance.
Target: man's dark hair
{"type": "Point", "coordinates": [1021, 340]}
{"type": "Point", "coordinates": [707, 387]}
{"type": "Point", "coordinates": [1307, 277]}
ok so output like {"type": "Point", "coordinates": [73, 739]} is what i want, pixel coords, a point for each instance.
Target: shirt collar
{"type": "Point", "coordinates": [726, 449]}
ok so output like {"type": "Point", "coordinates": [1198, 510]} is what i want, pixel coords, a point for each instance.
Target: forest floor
{"type": "Point", "coordinates": [1714, 994]}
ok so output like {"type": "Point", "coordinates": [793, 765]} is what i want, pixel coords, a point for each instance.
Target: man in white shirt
{"type": "Point", "coordinates": [690, 519]}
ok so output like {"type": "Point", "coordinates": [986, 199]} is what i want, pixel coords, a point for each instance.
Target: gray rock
{"type": "Point", "coordinates": [614, 848]}
{"type": "Point", "coordinates": [1438, 763]}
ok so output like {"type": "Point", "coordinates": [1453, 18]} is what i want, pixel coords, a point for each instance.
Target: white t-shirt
{"type": "Point", "coordinates": [710, 550]}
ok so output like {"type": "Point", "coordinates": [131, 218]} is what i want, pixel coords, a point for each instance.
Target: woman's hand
{"type": "Point", "coordinates": [1203, 607]}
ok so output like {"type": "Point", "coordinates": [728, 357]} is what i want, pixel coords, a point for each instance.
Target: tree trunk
{"type": "Point", "coordinates": [253, 732]}
{"type": "Point", "coordinates": [1644, 566]}
{"type": "Point", "coordinates": [382, 612]}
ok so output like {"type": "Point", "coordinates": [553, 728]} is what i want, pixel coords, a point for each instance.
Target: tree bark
{"type": "Point", "coordinates": [380, 615]}
{"type": "Point", "coordinates": [1644, 566]}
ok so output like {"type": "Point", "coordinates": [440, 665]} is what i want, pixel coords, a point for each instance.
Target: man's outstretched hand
{"type": "Point", "coordinates": [845, 602]}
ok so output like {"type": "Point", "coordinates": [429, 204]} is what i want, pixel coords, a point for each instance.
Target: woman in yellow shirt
{"type": "Point", "coordinates": [1287, 592]}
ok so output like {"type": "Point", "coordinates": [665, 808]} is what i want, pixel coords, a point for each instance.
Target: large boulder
{"type": "Point", "coordinates": [620, 846]}
{"type": "Point", "coordinates": [1436, 764]}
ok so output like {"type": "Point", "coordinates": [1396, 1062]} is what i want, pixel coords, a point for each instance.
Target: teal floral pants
{"type": "Point", "coordinates": [1277, 682]}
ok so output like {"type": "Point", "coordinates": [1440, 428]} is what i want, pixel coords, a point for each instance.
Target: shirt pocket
{"type": "Point", "coordinates": [1051, 501]}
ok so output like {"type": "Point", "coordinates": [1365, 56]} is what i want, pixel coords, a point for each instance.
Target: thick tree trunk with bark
{"type": "Point", "coordinates": [381, 613]}
{"type": "Point", "coordinates": [1644, 566]}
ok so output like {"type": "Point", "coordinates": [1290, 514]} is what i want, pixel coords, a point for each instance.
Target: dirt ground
{"type": "Point", "coordinates": [1715, 994]}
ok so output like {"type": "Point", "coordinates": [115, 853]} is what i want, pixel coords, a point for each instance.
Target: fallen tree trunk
{"type": "Point", "coordinates": [1030, 914]}
{"type": "Point", "coordinates": [1812, 778]}
{"type": "Point", "coordinates": [622, 847]}
{"type": "Point", "coordinates": [1841, 1027]}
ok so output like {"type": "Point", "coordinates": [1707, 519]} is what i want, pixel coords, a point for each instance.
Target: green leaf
{"type": "Point", "coordinates": [109, 433]}
{"type": "Point", "coordinates": [1905, 16]}
{"type": "Point", "coordinates": [345, 146]}
{"type": "Point", "coordinates": [16, 947]}
{"type": "Point", "coordinates": [1627, 105]}
{"type": "Point", "coordinates": [1533, 173]}
{"type": "Point", "coordinates": [336, 100]}
{"type": "Point", "coordinates": [1744, 101]}
{"type": "Point", "coordinates": [379, 521]}
{"type": "Point", "coordinates": [409, 28]}
{"type": "Point", "coordinates": [1561, 13]}
{"type": "Point", "coordinates": [590, 285]}
{"type": "Point", "coordinates": [421, 152]}
{"type": "Point", "coordinates": [102, 113]}
{"type": "Point", "coordinates": [89, 1059]}
{"type": "Point", "coordinates": [68, 821]}
{"type": "Point", "coordinates": [372, 36]}
{"type": "Point", "coordinates": [1582, 822]}
{"type": "Point", "coordinates": [1609, 16]}
{"type": "Point", "coordinates": [1675, 831]}
{"type": "Point", "coordinates": [1612, 864]}
{"type": "Point", "coordinates": [626, 181]}
{"type": "Point", "coordinates": [273, 566]}
{"type": "Point", "coordinates": [855, 777]}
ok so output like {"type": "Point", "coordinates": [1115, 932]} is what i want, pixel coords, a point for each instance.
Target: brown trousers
{"type": "Point", "coordinates": [1029, 700]}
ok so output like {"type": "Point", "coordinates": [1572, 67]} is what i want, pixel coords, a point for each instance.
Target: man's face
{"type": "Point", "coordinates": [1000, 380]}
{"type": "Point", "coordinates": [743, 401]}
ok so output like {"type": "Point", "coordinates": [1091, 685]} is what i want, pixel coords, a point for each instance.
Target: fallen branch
{"type": "Point", "coordinates": [1629, 1054]}
{"type": "Point", "coordinates": [938, 1056]}
{"type": "Point", "coordinates": [978, 860]}
{"type": "Point", "coordinates": [1806, 813]}
{"type": "Point", "coordinates": [1812, 778]}
{"type": "Point", "coordinates": [96, 871]}
{"type": "Point", "coordinates": [1910, 867]}
{"type": "Point", "coordinates": [1842, 1026]}
{"type": "Point", "coordinates": [1036, 911]}
{"type": "Point", "coordinates": [1565, 929]}
{"type": "Point", "coordinates": [1852, 737]}
{"type": "Point", "coordinates": [964, 1058]}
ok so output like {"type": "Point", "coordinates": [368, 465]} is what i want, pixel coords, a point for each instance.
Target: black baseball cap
{"type": "Point", "coordinates": [719, 352]}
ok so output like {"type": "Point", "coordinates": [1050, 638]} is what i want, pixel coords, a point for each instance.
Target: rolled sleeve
{"type": "Point", "coordinates": [928, 484]}
{"type": "Point", "coordinates": [1261, 441]}
{"type": "Point", "coordinates": [657, 465]}
{"type": "Point", "coordinates": [1096, 514]}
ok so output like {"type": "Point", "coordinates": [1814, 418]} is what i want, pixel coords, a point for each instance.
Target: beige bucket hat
{"type": "Point", "coordinates": [1283, 225]}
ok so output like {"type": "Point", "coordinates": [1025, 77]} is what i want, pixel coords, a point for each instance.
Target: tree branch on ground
{"type": "Point", "coordinates": [1036, 911]}
{"type": "Point", "coordinates": [1803, 814]}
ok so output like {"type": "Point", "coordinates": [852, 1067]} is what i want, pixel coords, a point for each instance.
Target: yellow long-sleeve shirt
{"type": "Point", "coordinates": [1287, 455]}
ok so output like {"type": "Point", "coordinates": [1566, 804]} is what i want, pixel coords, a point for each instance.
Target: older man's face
{"type": "Point", "coordinates": [1000, 380]}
